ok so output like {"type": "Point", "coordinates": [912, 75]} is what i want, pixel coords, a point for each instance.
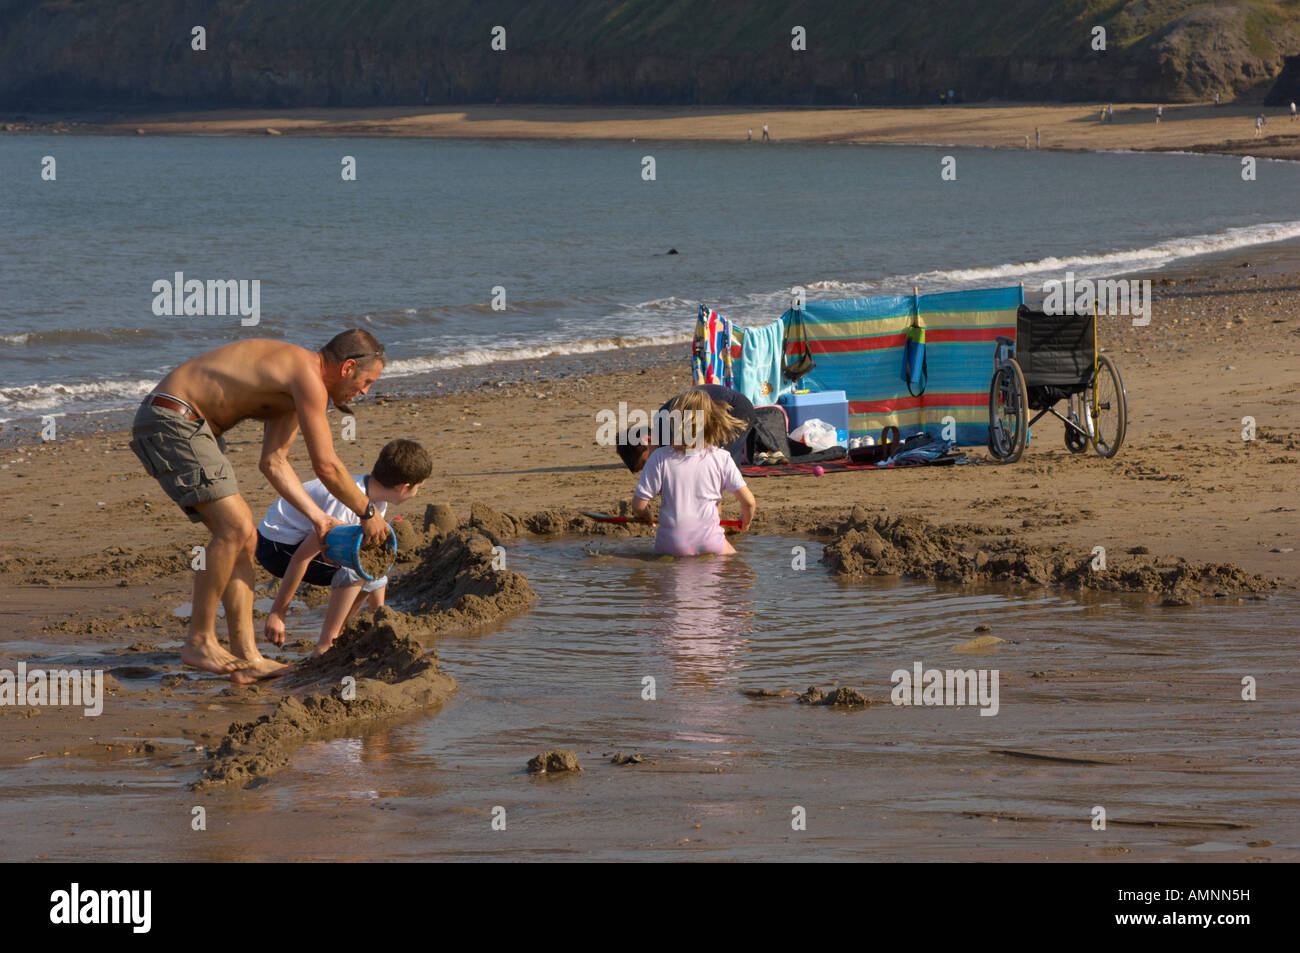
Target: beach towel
{"type": "Point", "coordinates": [797, 359]}
{"type": "Point", "coordinates": [758, 370]}
{"type": "Point", "coordinates": [713, 350]}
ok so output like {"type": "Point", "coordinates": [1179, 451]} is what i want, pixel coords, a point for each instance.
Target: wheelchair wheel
{"type": "Point", "coordinates": [1075, 441]}
{"type": "Point", "coordinates": [1008, 409]}
{"type": "Point", "coordinates": [1106, 409]}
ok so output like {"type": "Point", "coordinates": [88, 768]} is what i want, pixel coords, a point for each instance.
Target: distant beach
{"type": "Point", "coordinates": [1227, 129]}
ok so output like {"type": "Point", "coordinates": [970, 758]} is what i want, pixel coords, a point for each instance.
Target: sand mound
{"type": "Point", "coordinates": [555, 522]}
{"type": "Point", "coordinates": [553, 762]}
{"type": "Point", "coordinates": [840, 697]}
{"type": "Point", "coordinates": [409, 540]}
{"type": "Point", "coordinates": [496, 526]}
{"type": "Point", "coordinates": [455, 587]}
{"type": "Point", "coordinates": [969, 553]}
{"type": "Point", "coordinates": [393, 675]}
{"type": "Point", "coordinates": [452, 587]}
{"type": "Point", "coordinates": [440, 519]}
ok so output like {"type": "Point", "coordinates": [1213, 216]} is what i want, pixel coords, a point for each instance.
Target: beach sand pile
{"type": "Point", "coordinates": [453, 587]}
{"type": "Point", "coordinates": [834, 697]}
{"type": "Point", "coordinates": [969, 554]}
{"type": "Point", "coordinates": [390, 674]}
{"type": "Point", "coordinates": [553, 762]}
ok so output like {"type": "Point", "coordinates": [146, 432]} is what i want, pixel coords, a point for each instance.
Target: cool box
{"type": "Point", "coordinates": [831, 406]}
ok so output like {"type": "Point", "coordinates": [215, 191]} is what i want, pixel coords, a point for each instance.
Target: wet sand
{"type": "Point", "coordinates": [1205, 128]}
{"type": "Point", "coordinates": [1103, 700]}
{"type": "Point", "coordinates": [99, 558]}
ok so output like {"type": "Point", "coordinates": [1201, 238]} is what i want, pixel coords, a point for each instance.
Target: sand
{"type": "Point", "coordinates": [553, 762]}
{"type": "Point", "coordinates": [457, 587]}
{"type": "Point", "coordinates": [373, 671]}
{"type": "Point", "coordinates": [979, 554]}
{"type": "Point", "coordinates": [1198, 127]}
{"type": "Point", "coordinates": [453, 587]}
{"type": "Point", "coordinates": [834, 697]}
{"type": "Point", "coordinates": [80, 577]}
{"type": "Point", "coordinates": [375, 560]}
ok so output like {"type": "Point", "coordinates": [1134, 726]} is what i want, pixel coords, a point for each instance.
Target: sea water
{"type": "Point", "coordinates": [568, 237]}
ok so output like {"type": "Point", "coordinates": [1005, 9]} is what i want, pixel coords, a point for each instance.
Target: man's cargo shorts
{"type": "Point", "coordinates": [184, 456]}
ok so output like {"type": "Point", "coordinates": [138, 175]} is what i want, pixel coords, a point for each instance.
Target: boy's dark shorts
{"type": "Point", "coordinates": [184, 456]}
{"type": "Point", "coordinates": [274, 558]}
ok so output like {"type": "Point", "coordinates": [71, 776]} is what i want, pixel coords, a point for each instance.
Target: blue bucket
{"type": "Point", "coordinates": [343, 546]}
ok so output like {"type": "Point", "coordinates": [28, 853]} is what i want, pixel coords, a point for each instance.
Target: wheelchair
{"type": "Point", "coordinates": [1054, 358]}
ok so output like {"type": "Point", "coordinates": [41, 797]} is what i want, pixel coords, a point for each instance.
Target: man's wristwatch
{"type": "Point", "coordinates": [370, 510]}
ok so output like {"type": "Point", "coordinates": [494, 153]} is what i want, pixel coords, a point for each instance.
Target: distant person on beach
{"type": "Point", "coordinates": [1037, 138]}
{"type": "Point", "coordinates": [177, 437]}
{"type": "Point", "coordinates": [635, 449]}
{"type": "Point", "coordinates": [690, 477]}
{"type": "Point", "coordinates": [1216, 99]}
{"type": "Point", "coordinates": [749, 135]}
{"type": "Point", "coordinates": [1110, 112]}
{"type": "Point", "coordinates": [1260, 122]}
{"type": "Point", "coordinates": [1160, 111]}
{"type": "Point", "coordinates": [289, 549]}
{"type": "Point", "coordinates": [766, 136]}
{"type": "Point", "coordinates": [1293, 113]}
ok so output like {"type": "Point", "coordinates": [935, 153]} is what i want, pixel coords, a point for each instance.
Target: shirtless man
{"type": "Point", "coordinates": [177, 436]}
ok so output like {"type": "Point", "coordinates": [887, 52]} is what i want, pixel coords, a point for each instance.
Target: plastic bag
{"type": "Point", "coordinates": [815, 434]}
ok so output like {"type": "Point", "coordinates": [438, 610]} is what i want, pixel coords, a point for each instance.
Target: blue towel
{"type": "Point", "coordinates": [758, 372]}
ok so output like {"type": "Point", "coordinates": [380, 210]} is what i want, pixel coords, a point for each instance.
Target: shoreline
{"type": "Point", "coordinates": [1196, 128]}
{"type": "Point", "coordinates": [22, 431]}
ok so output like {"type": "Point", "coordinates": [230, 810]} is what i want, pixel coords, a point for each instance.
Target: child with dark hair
{"type": "Point", "coordinates": [288, 547]}
{"type": "Point", "coordinates": [691, 475]}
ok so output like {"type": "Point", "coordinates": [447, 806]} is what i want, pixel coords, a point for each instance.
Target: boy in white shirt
{"type": "Point", "coordinates": [287, 545]}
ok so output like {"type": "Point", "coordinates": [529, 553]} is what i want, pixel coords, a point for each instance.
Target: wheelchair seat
{"type": "Point", "coordinates": [1055, 350]}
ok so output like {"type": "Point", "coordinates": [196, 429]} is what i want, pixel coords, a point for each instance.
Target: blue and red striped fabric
{"type": "Point", "coordinates": [858, 346]}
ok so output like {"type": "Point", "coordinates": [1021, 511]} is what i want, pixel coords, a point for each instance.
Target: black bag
{"type": "Point", "coordinates": [767, 433]}
{"type": "Point", "coordinates": [803, 361]}
{"type": "Point", "coordinates": [803, 454]}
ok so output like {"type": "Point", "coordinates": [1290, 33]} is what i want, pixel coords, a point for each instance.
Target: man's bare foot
{"type": "Point", "coordinates": [211, 657]}
{"type": "Point", "coordinates": [259, 668]}
{"type": "Point", "coordinates": [319, 650]}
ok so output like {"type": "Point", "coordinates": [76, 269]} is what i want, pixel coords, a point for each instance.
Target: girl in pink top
{"type": "Point", "coordinates": [691, 475]}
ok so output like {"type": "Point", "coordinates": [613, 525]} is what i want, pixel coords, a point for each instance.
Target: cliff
{"type": "Point", "coordinates": [281, 53]}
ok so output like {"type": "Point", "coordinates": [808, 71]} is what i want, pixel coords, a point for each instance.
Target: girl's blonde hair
{"type": "Point", "coordinates": [704, 422]}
